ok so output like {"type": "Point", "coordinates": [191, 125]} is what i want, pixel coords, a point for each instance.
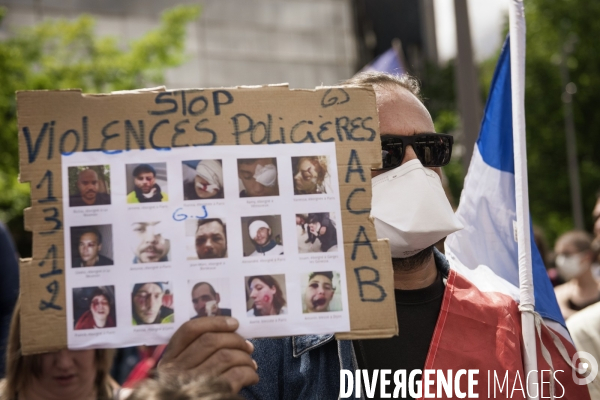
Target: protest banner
{"type": "Point", "coordinates": [152, 207]}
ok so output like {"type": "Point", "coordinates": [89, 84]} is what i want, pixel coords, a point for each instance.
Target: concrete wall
{"type": "Point", "coordinates": [234, 42]}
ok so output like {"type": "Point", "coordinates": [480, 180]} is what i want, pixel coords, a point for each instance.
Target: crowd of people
{"type": "Point", "coordinates": [207, 359]}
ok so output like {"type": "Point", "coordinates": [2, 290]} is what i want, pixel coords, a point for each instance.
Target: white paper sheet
{"type": "Point", "coordinates": [163, 234]}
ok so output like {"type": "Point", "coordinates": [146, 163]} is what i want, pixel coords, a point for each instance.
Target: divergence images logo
{"type": "Point", "coordinates": [584, 363]}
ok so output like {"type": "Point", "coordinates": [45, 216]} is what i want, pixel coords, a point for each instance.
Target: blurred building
{"type": "Point", "coordinates": [378, 23]}
{"type": "Point", "coordinates": [246, 42]}
{"type": "Point", "coordinates": [234, 42]}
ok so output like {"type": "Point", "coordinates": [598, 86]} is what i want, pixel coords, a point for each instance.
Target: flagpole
{"type": "Point", "coordinates": [517, 67]}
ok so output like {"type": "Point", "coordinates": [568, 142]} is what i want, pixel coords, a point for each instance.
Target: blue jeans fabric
{"type": "Point", "coordinates": [300, 367]}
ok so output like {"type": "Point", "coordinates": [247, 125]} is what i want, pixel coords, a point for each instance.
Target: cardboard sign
{"type": "Point", "coordinates": [153, 207]}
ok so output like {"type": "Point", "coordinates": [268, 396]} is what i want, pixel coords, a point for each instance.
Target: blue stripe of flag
{"type": "Point", "coordinates": [495, 144]}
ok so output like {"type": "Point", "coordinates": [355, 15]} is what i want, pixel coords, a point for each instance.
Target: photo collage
{"type": "Point", "coordinates": [203, 232]}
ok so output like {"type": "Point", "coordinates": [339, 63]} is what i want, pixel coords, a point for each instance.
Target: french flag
{"type": "Point", "coordinates": [488, 251]}
{"type": "Point", "coordinates": [485, 251]}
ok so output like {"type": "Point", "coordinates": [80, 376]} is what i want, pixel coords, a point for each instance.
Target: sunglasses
{"type": "Point", "coordinates": [432, 149]}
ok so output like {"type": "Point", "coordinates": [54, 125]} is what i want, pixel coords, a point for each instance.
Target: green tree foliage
{"type": "Point", "coordinates": [439, 96]}
{"type": "Point", "coordinates": [549, 24]}
{"type": "Point", "coordinates": [62, 54]}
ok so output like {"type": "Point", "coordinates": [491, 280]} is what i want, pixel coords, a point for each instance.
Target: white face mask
{"type": "Point", "coordinates": [410, 208]}
{"type": "Point", "coordinates": [266, 175]}
{"type": "Point", "coordinates": [569, 267]}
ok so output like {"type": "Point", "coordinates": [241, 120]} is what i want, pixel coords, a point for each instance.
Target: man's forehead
{"type": "Point", "coordinates": [401, 113]}
{"type": "Point", "coordinates": [203, 289]}
{"type": "Point", "coordinates": [88, 236]}
{"type": "Point", "coordinates": [210, 227]}
{"type": "Point", "coordinates": [88, 174]}
{"type": "Point", "coordinates": [150, 288]}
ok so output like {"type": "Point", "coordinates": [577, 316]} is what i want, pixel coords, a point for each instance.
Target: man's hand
{"type": "Point", "coordinates": [210, 346]}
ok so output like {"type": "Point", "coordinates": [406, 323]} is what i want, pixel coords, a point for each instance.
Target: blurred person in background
{"type": "Point", "coordinates": [9, 287]}
{"type": "Point", "coordinates": [89, 246]}
{"type": "Point", "coordinates": [584, 327]}
{"type": "Point", "coordinates": [311, 176]}
{"type": "Point", "coordinates": [548, 259]}
{"type": "Point", "coordinates": [596, 215]}
{"type": "Point", "coordinates": [63, 374]}
{"type": "Point", "coordinates": [574, 258]}
{"type": "Point", "coordinates": [319, 292]}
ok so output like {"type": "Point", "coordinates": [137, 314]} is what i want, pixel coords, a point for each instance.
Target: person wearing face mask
{"type": "Point", "coordinates": [574, 258]}
{"type": "Point", "coordinates": [409, 209]}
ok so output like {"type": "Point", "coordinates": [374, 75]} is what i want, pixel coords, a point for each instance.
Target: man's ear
{"type": "Point", "coordinates": [99, 247]}
{"type": "Point", "coordinates": [217, 298]}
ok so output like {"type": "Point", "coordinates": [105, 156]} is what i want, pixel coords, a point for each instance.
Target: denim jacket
{"type": "Point", "coordinates": [306, 367]}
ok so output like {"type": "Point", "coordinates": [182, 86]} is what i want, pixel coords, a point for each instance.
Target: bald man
{"type": "Point", "coordinates": [88, 186]}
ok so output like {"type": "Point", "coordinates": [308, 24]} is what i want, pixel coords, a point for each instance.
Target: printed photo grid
{"type": "Point", "coordinates": [155, 239]}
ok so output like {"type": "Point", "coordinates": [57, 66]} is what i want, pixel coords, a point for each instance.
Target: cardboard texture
{"type": "Point", "coordinates": [52, 123]}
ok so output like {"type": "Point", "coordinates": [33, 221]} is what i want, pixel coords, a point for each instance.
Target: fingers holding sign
{"type": "Point", "coordinates": [210, 346]}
